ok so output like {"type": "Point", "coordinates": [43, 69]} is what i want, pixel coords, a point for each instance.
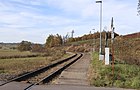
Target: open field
{"type": "Point", "coordinates": [14, 67]}
{"type": "Point", "coordinates": [14, 52]}
{"type": "Point", "coordinates": [11, 67]}
{"type": "Point", "coordinates": [5, 54]}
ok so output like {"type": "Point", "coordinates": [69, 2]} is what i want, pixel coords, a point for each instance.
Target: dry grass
{"type": "Point", "coordinates": [128, 50]}
{"type": "Point", "coordinates": [12, 67]}
{"type": "Point", "coordinates": [21, 64]}
{"type": "Point", "coordinates": [10, 52]}
{"type": "Point", "coordinates": [125, 49]}
{"type": "Point", "coordinates": [16, 66]}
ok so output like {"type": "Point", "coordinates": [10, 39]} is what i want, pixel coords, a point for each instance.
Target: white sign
{"type": "Point", "coordinates": [106, 56]}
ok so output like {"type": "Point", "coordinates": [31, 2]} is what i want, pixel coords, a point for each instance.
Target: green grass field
{"type": "Point", "coordinates": [125, 75]}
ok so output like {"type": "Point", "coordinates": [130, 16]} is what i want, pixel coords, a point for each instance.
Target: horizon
{"type": "Point", "coordinates": [60, 35]}
{"type": "Point", "coordinates": [35, 20]}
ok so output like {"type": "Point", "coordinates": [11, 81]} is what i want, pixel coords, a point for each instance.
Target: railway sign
{"type": "Point", "coordinates": [106, 56]}
{"type": "Point", "coordinates": [112, 30]}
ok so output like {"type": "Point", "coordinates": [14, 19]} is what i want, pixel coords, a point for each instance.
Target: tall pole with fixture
{"type": "Point", "coordinates": [100, 50]}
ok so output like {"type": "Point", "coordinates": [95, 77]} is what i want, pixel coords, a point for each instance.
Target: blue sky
{"type": "Point", "coordinates": [34, 20]}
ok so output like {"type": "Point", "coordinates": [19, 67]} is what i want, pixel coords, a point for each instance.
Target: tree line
{"type": "Point", "coordinates": [57, 40]}
{"type": "Point", "coordinates": [28, 46]}
{"type": "Point", "coordinates": [51, 41]}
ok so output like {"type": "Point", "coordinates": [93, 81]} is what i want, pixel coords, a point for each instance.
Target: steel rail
{"type": "Point", "coordinates": [51, 76]}
{"type": "Point", "coordinates": [36, 72]}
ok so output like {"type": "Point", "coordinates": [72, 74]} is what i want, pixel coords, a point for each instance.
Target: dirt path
{"type": "Point", "coordinates": [76, 74]}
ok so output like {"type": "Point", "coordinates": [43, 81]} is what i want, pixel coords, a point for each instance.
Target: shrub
{"type": "Point", "coordinates": [24, 46]}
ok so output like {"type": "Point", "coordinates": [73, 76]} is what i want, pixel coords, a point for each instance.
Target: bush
{"type": "Point", "coordinates": [24, 46]}
{"type": "Point", "coordinates": [37, 48]}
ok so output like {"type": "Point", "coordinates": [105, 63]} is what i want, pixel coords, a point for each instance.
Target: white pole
{"type": "Point", "coordinates": [100, 49]}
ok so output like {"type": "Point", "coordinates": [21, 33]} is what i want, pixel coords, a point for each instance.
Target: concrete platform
{"type": "Point", "coordinates": [14, 86]}
{"type": "Point", "coordinates": [76, 74]}
{"type": "Point", "coordinates": [72, 87]}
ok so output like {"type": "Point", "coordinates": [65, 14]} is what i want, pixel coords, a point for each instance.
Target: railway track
{"type": "Point", "coordinates": [45, 74]}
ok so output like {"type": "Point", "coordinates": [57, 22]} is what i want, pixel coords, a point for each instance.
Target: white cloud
{"type": "Point", "coordinates": [39, 18]}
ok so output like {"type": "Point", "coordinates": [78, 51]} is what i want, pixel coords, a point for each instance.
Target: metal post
{"type": "Point", "coordinates": [100, 28]}
{"type": "Point", "coordinates": [112, 44]}
{"type": "Point", "coordinates": [100, 50]}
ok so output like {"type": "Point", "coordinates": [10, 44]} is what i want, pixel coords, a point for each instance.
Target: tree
{"type": "Point", "coordinates": [24, 46]}
{"type": "Point", "coordinates": [54, 40]}
{"type": "Point", "coordinates": [49, 41]}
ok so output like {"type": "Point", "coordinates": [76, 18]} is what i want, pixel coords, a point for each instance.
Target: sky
{"type": "Point", "coordinates": [35, 20]}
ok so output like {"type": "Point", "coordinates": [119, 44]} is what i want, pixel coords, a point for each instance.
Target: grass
{"type": "Point", "coordinates": [10, 52]}
{"type": "Point", "coordinates": [17, 66]}
{"type": "Point", "coordinates": [21, 64]}
{"type": "Point", "coordinates": [80, 42]}
{"type": "Point", "coordinates": [125, 75]}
